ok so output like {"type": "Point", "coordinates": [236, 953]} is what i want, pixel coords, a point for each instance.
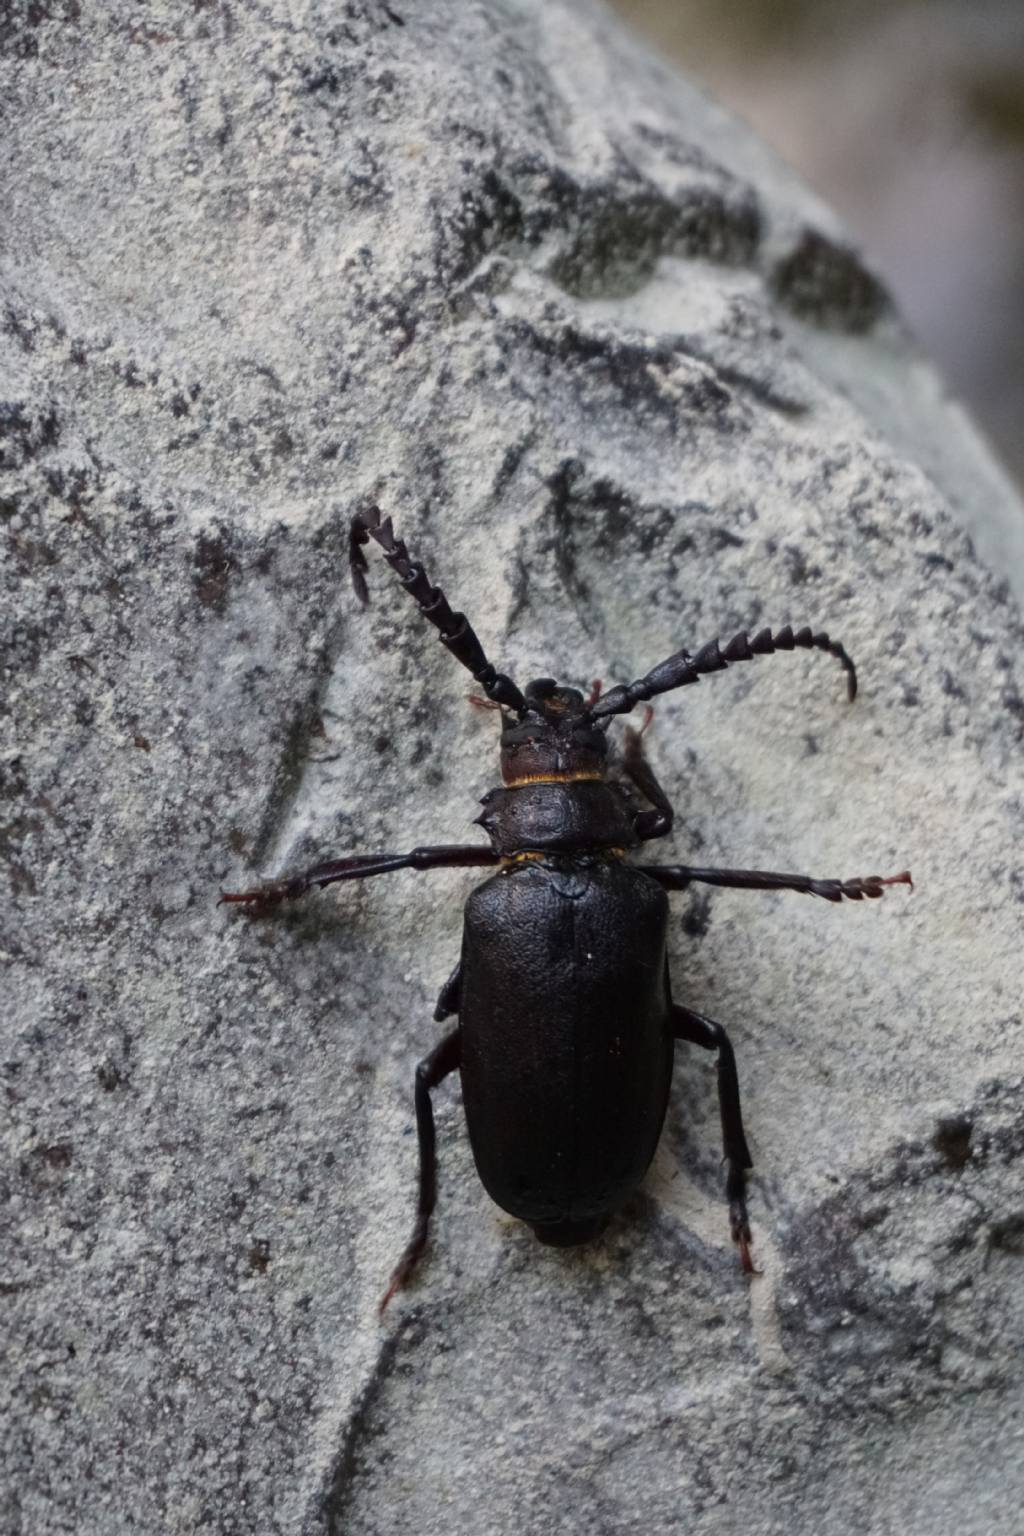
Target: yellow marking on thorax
{"type": "Point", "coordinates": [554, 778]}
{"type": "Point", "coordinates": [526, 854]}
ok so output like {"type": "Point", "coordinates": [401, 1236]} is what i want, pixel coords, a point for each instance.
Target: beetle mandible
{"type": "Point", "coordinates": [566, 1023]}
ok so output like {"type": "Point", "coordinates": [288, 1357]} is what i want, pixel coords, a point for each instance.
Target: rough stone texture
{"type": "Point", "coordinates": [620, 379]}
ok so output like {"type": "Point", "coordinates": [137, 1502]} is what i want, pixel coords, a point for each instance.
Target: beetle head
{"type": "Point", "coordinates": [555, 737]}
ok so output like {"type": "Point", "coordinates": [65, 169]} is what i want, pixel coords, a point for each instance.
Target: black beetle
{"type": "Point", "coordinates": [566, 1024]}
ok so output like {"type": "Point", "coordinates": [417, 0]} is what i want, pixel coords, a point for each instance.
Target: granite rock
{"type": "Point", "coordinates": [625, 386]}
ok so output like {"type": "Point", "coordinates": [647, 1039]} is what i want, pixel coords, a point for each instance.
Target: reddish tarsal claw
{"type": "Point", "coordinates": [395, 1285]}
{"type": "Point", "coordinates": [746, 1262]}
{"type": "Point", "coordinates": [407, 1263]}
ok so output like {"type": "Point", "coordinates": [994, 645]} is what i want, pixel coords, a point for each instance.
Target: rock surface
{"type": "Point", "coordinates": [625, 387]}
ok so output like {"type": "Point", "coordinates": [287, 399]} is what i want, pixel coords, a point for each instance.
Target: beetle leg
{"type": "Point", "coordinates": [360, 866]}
{"type": "Point", "coordinates": [656, 823]}
{"type": "Point", "coordinates": [450, 996]}
{"type": "Point", "coordinates": [444, 1058]}
{"type": "Point", "coordinates": [694, 1027]}
{"type": "Point", "coordinates": [676, 877]}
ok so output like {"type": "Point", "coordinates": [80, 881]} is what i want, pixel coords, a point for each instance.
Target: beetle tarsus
{"type": "Point", "coordinates": [904, 878]}
{"type": "Point", "coordinates": [411, 1256]}
{"type": "Point", "coordinates": [739, 1221]}
{"type": "Point", "coordinates": [262, 898]}
{"type": "Point", "coordinates": [747, 1264]}
{"type": "Point", "coordinates": [871, 886]}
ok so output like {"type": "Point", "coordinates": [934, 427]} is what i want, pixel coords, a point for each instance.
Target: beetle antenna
{"type": "Point", "coordinates": [456, 632]}
{"type": "Point", "coordinates": [682, 668]}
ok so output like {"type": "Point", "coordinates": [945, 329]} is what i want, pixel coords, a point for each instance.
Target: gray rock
{"type": "Point", "coordinates": [625, 387]}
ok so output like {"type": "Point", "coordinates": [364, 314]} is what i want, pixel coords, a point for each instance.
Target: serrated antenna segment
{"type": "Point", "coordinates": [455, 630]}
{"type": "Point", "coordinates": [683, 668]}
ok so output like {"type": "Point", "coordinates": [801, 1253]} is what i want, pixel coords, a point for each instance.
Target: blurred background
{"type": "Point", "coordinates": [907, 116]}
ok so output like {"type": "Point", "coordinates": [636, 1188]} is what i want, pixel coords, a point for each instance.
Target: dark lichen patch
{"type": "Point", "coordinates": [952, 1139]}
{"type": "Point", "coordinates": [721, 538]}
{"type": "Point", "coordinates": [798, 568]}
{"type": "Point", "coordinates": [646, 375]}
{"type": "Point", "coordinates": [827, 284]}
{"type": "Point", "coordinates": [20, 21]}
{"type": "Point", "coordinates": [213, 565]}
{"type": "Point", "coordinates": [13, 779]}
{"type": "Point", "coordinates": [46, 1159]}
{"type": "Point", "coordinates": [1007, 1234]}
{"type": "Point", "coordinates": [13, 324]}
{"type": "Point", "coordinates": [511, 460]}
{"type": "Point", "coordinates": [755, 387]}
{"type": "Point", "coordinates": [131, 378]}
{"type": "Point", "coordinates": [697, 918]}
{"type": "Point", "coordinates": [31, 556]}
{"type": "Point", "coordinates": [75, 487]}
{"type": "Point", "coordinates": [259, 1255]}
{"type": "Point", "coordinates": [614, 520]}
{"type": "Point", "coordinates": [110, 1076]}
{"type": "Point", "coordinates": [847, 1258]}
{"type": "Point", "coordinates": [488, 216]}
{"type": "Point", "coordinates": [1013, 703]}
{"type": "Point", "coordinates": [27, 430]}
{"type": "Point", "coordinates": [362, 1427]}
{"type": "Point", "coordinates": [596, 523]}
{"type": "Point", "coordinates": [613, 234]}
{"type": "Point", "coordinates": [14, 835]}
{"type": "Point", "coordinates": [360, 21]}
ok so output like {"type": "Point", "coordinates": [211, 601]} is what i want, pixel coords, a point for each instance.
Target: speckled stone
{"type": "Point", "coordinates": [625, 386]}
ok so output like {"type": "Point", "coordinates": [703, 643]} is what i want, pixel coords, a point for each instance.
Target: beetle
{"type": "Point", "coordinates": [566, 1022]}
